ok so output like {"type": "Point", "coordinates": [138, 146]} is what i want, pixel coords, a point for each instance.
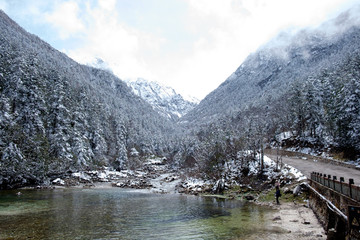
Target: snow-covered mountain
{"type": "Point", "coordinates": [162, 98]}
{"type": "Point", "coordinates": [269, 72]}
{"type": "Point", "coordinates": [306, 83]}
{"type": "Point", "coordinates": [57, 116]}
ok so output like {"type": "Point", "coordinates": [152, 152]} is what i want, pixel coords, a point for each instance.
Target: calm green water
{"type": "Point", "coordinates": [123, 214]}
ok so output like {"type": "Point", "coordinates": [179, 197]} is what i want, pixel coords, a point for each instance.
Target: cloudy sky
{"type": "Point", "coordinates": [190, 45]}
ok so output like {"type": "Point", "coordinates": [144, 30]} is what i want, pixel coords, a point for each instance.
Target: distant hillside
{"type": "Point", "coordinates": [306, 85]}
{"type": "Point", "coordinates": [164, 99]}
{"type": "Point", "coordinates": [270, 71]}
{"type": "Point", "coordinates": [58, 116]}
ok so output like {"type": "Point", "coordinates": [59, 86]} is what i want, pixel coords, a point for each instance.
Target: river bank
{"type": "Point", "coordinates": [292, 219]}
{"type": "Point", "coordinates": [295, 222]}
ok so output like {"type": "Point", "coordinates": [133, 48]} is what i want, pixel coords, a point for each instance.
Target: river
{"type": "Point", "coordinates": [114, 213]}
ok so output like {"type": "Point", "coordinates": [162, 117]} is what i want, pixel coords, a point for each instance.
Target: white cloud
{"type": "Point", "coordinates": [222, 34]}
{"type": "Point", "coordinates": [121, 46]}
{"type": "Point", "coordinates": [231, 29]}
{"type": "Point", "coordinates": [3, 6]}
{"type": "Point", "coordinates": [65, 18]}
{"type": "Point", "coordinates": [107, 4]}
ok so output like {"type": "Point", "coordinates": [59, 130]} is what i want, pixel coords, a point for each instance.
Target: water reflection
{"type": "Point", "coordinates": [123, 214]}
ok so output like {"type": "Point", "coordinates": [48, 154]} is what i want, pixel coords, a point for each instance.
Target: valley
{"type": "Point", "coordinates": [69, 130]}
{"type": "Point", "coordinates": [59, 117]}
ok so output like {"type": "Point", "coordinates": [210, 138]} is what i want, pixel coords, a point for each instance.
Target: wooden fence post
{"type": "Point", "coordinates": [351, 182]}
{"type": "Point", "coordinates": [341, 181]}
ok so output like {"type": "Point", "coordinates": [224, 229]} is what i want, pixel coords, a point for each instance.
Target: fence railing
{"type": "Point", "coordinates": [348, 189]}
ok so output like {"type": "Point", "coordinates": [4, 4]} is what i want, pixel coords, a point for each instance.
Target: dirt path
{"type": "Point", "coordinates": [309, 164]}
{"type": "Point", "coordinates": [294, 222]}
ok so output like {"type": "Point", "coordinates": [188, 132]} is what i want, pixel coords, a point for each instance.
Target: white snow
{"type": "Point", "coordinates": [82, 176]}
{"type": "Point", "coordinates": [134, 152]}
{"type": "Point", "coordinates": [285, 170]}
{"type": "Point", "coordinates": [271, 172]}
{"type": "Point", "coordinates": [103, 176]}
{"type": "Point", "coordinates": [155, 161]}
{"type": "Point", "coordinates": [162, 98]}
{"type": "Point", "coordinates": [194, 183]}
{"type": "Point", "coordinates": [284, 135]}
{"type": "Point", "coordinates": [58, 181]}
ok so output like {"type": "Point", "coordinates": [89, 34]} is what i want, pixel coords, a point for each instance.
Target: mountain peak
{"type": "Point", "coordinates": [163, 99]}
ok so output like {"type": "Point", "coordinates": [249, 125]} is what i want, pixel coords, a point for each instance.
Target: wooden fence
{"type": "Point", "coordinates": [348, 189]}
{"type": "Point", "coordinates": [336, 194]}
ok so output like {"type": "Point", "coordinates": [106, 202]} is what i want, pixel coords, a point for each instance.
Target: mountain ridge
{"type": "Point", "coordinates": [58, 116]}
{"type": "Point", "coordinates": [306, 84]}
{"type": "Point", "coordinates": [273, 66]}
{"type": "Point", "coordinates": [164, 99]}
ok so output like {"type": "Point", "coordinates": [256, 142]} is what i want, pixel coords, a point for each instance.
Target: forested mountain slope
{"type": "Point", "coordinates": [307, 85]}
{"type": "Point", "coordinates": [58, 116]}
{"type": "Point", "coordinates": [269, 72]}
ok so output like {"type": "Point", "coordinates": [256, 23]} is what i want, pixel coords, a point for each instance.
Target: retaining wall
{"type": "Point", "coordinates": [330, 200]}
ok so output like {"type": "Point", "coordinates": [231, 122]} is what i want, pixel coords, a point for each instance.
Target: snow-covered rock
{"type": "Point", "coordinates": [194, 186]}
{"type": "Point", "coordinates": [82, 176]}
{"type": "Point", "coordinates": [58, 181]}
{"type": "Point", "coordinates": [162, 98]}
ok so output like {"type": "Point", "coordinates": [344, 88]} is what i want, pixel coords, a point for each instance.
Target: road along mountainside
{"type": "Point", "coordinates": [308, 164]}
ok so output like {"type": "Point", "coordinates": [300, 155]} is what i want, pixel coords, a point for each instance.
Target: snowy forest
{"type": "Point", "coordinates": [320, 115]}
{"type": "Point", "coordinates": [59, 117]}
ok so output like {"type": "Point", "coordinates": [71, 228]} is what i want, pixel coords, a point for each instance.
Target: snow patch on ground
{"type": "Point", "coordinates": [283, 136]}
{"type": "Point", "coordinates": [195, 185]}
{"type": "Point", "coordinates": [285, 169]}
{"type": "Point", "coordinates": [272, 172]}
{"type": "Point", "coordinates": [58, 181]}
{"type": "Point", "coordinates": [355, 163]}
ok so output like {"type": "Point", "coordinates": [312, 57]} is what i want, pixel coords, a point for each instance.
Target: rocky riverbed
{"type": "Point", "coordinates": [157, 176]}
{"type": "Point", "coordinates": [151, 176]}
